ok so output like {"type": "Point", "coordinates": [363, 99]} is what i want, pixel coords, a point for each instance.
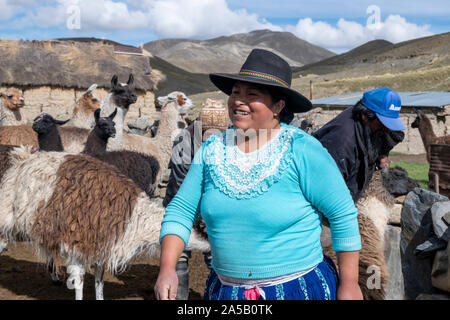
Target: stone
{"type": "Point", "coordinates": [417, 227]}
{"type": "Point", "coordinates": [396, 213]}
{"type": "Point", "coordinates": [140, 123]}
{"type": "Point", "coordinates": [438, 211]}
{"type": "Point", "coordinates": [440, 274]}
{"type": "Point", "coordinates": [446, 218]}
{"type": "Point", "coordinates": [400, 199]}
{"type": "Point", "coordinates": [396, 287]}
{"type": "Point", "coordinates": [139, 126]}
{"type": "Point", "coordinates": [429, 248]}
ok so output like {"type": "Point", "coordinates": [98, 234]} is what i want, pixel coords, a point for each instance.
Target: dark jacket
{"type": "Point", "coordinates": [184, 147]}
{"type": "Point", "coordinates": [344, 139]}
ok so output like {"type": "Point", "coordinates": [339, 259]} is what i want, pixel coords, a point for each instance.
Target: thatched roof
{"type": "Point", "coordinates": [69, 64]}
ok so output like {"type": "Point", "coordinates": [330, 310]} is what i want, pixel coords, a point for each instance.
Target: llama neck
{"type": "Point", "coordinates": [168, 129]}
{"type": "Point", "coordinates": [426, 131]}
{"type": "Point", "coordinates": [82, 119]}
{"type": "Point", "coordinates": [50, 141]}
{"type": "Point", "coordinates": [10, 117]}
{"type": "Point", "coordinates": [108, 106]}
{"type": "Point", "coordinates": [95, 143]}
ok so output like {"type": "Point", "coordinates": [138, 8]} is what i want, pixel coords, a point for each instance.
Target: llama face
{"type": "Point", "coordinates": [13, 99]}
{"type": "Point", "coordinates": [88, 103]}
{"type": "Point", "coordinates": [44, 123]}
{"type": "Point", "coordinates": [123, 94]}
{"type": "Point", "coordinates": [105, 126]}
{"type": "Point", "coordinates": [416, 122]}
{"type": "Point", "coordinates": [183, 102]}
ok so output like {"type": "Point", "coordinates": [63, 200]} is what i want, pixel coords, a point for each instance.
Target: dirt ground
{"type": "Point", "coordinates": [22, 277]}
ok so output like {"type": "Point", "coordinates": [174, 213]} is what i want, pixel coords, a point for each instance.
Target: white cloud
{"type": "Point", "coordinates": [100, 15]}
{"type": "Point", "coordinates": [166, 18]}
{"type": "Point", "coordinates": [8, 8]}
{"type": "Point", "coordinates": [349, 34]}
{"type": "Point", "coordinates": [201, 19]}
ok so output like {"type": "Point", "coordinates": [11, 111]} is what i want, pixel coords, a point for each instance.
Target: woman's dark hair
{"type": "Point", "coordinates": [360, 109]}
{"type": "Point", "coordinates": [286, 115]}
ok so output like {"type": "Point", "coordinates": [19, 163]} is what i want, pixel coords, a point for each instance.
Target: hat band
{"type": "Point", "coordinates": [263, 76]}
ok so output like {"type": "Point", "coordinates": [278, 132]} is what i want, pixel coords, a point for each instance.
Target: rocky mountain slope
{"type": "Point", "coordinates": [227, 53]}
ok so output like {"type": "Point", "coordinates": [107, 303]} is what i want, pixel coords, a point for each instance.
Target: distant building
{"type": "Point", "coordinates": [121, 49]}
{"type": "Point", "coordinates": [436, 105]}
{"type": "Point", "coordinates": [53, 74]}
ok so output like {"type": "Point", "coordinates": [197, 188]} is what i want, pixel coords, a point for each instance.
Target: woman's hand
{"type": "Point", "coordinates": [349, 291]}
{"type": "Point", "coordinates": [166, 285]}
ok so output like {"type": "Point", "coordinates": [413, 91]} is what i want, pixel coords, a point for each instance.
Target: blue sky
{"type": "Point", "coordinates": [335, 25]}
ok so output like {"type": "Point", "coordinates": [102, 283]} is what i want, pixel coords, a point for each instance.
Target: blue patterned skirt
{"type": "Point", "coordinates": [319, 284]}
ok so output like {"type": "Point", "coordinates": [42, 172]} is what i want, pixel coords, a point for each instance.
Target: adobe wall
{"type": "Point", "coordinates": [59, 102]}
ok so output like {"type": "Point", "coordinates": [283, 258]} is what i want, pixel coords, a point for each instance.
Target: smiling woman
{"type": "Point", "coordinates": [262, 202]}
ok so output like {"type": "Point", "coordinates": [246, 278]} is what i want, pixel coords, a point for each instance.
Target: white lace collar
{"type": "Point", "coordinates": [247, 175]}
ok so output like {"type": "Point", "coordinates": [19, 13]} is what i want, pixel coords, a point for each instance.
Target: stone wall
{"type": "Point", "coordinates": [412, 144]}
{"type": "Point", "coordinates": [59, 102]}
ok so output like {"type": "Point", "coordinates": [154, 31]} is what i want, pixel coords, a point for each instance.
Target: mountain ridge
{"type": "Point", "coordinates": [227, 53]}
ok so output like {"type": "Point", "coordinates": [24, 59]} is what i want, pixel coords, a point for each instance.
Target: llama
{"type": "Point", "coordinates": [120, 96]}
{"type": "Point", "coordinates": [374, 208]}
{"type": "Point", "coordinates": [18, 135]}
{"type": "Point", "coordinates": [426, 132]}
{"type": "Point", "coordinates": [46, 128]}
{"type": "Point", "coordinates": [397, 182]}
{"type": "Point", "coordinates": [161, 145]}
{"type": "Point", "coordinates": [74, 135]}
{"type": "Point", "coordinates": [79, 211]}
{"type": "Point", "coordinates": [83, 112]}
{"type": "Point", "coordinates": [140, 168]}
{"type": "Point", "coordinates": [11, 101]}
{"type": "Point", "coordinates": [184, 103]}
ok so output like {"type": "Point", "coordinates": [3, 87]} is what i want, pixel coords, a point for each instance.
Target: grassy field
{"type": "Point", "coordinates": [417, 171]}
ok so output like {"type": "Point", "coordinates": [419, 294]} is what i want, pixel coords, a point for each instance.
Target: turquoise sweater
{"type": "Point", "coordinates": [263, 209]}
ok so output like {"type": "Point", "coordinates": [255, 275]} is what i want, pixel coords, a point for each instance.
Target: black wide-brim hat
{"type": "Point", "coordinates": [265, 68]}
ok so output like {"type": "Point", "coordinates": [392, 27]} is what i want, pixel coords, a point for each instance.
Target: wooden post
{"type": "Point", "coordinates": [436, 182]}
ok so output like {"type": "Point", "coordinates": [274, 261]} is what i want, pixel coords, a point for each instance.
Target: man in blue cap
{"type": "Point", "coordinates": [361, 137]}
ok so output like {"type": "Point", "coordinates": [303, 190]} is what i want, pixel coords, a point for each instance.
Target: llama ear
{"type": "Point", "coordinates": [419, 113]}
{"type": "Point", "coordinates": [97, 114]}
{"type": "Point", "coordinates": [92, 88]}
{"type": "Point", "coordinates": [112, 115]}
{"type": "Point", "coordinates": [61, 122]}
{"type": "Point", "coordinates": [114, 81]}
{"type": "Point", "coordinates": [130, 79]}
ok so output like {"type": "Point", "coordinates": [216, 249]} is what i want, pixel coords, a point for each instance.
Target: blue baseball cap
{"type": "Point", "coordinates": [386, 104]}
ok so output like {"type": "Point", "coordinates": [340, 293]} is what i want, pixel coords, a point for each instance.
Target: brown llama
{"type": "Point", "coordinates": [11, 101]}
{"type": "Point", "coordinates": [423, 123]}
